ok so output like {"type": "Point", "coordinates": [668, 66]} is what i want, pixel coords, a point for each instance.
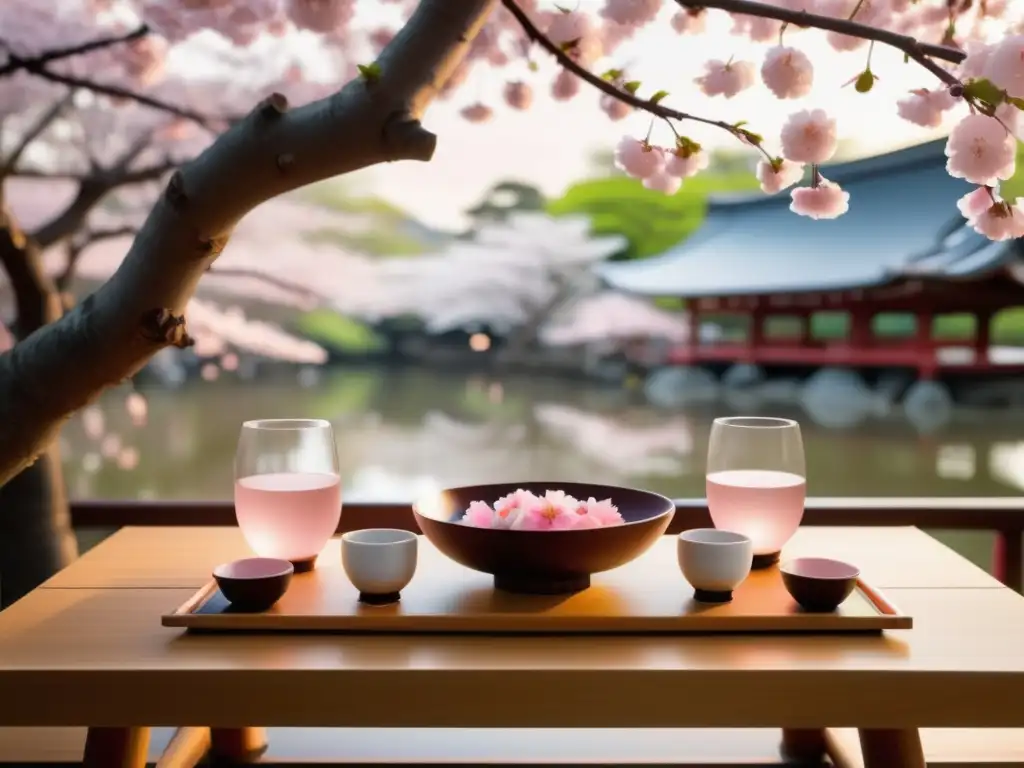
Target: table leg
{"type": "Point", "coordinates": [237, 746]}
{"type": "Point", "coordinates": [116, 748]}
{"type": "Point", "coordinates": [804, 745]}
{"type": "Point", "coordinates": [891, 748]}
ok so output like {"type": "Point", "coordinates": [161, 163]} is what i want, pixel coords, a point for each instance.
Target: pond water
{"type": "Point", "coordinates": [401, 432]}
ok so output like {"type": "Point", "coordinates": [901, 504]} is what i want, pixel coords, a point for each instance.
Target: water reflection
{"type": "Point", "coordinates": [403, 433]}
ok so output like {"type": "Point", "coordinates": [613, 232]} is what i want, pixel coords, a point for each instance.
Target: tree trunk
{"type": "Point", "coordinates": [36, 539]}
{"type": "Point", "coordinates": [140, 310]}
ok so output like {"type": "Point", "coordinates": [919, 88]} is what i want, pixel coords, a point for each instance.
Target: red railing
{"type": "Point", "coordinates": [1002, 516]}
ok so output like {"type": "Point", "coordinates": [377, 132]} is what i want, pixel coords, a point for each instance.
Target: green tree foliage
{"type": "Point", "coordinates": [1013, 187]}
{"type": "Point", "coordinates": [651, 221]}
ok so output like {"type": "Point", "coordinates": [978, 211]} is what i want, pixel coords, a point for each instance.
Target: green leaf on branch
{"type": "Point", "coordinates": [740, 123]}
{"type": "Point", "coordinates": [632, 86]}
{"type": "Point", "coordinates": [754, 138]}
{"type": "Point", "coordinates": [570, 45]}
{"type": "Point", "coordinates": [370, 72]}
{"type": "Point", "coordinates": [612, 75]}
{"type": "Point", "coordinates": [1018, 103]}
{"type": "Point", "coordinates": [1012, 189]}
{"type": "Point", "coordinates": [983, 89]}
{"type": "Point", "coordinates": [563, 10]}
{"type": "Point", "coordinates": [660, 95]}
{"type": "Point", "coordinates": [686, 146]}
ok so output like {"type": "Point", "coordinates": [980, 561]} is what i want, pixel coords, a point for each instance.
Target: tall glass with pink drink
{"type": "Point", "coordinates": [287, 488]}
{"type": "Point", "coordinates": [756, 481]}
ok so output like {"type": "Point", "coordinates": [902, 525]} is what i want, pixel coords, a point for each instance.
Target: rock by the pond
{"type": "Point", "coordinates": [780, 392]}
{"type": "Point", "coordinates": [928, 405]}
{"type": "Point", "coordinates": [680, 385]}
{"type": "Point", "coordinates": [837, 398]}
{"type": "Point", "coordinates": [742, 375]}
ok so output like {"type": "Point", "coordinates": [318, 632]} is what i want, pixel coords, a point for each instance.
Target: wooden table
{"type": "Point", "coordinates": [87, 649]}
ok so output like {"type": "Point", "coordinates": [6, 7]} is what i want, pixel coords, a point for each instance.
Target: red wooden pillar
{"type": "Point", "coordinates": [924, 346]}
{"type": "Point", "coordinates": [1008, 559]}
{"type": "Point", "coordinates": [982, 337]}
{"type": "Point", "coordinates": [860, 327]}
{"type": "Point", "coordinates": [692, 311]}
{"type": "Point", "coordinates": [755, 339]}
{"type": "Point", "coordinates": [805, 329]}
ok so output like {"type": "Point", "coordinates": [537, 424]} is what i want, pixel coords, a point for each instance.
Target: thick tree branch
{"type": "Point", "coordinates": [114, 332]}
{"type": "Point", "coordinates": [16, 63]}
{"type": "Point", "coordinates": [33, 132]}
{"type": "Point", "coordinates": [922, 53]}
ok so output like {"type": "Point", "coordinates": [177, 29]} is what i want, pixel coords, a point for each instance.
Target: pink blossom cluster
{"type": "Point", "coordinates": [659, 168]}
{"type": "Point", "coordinates": [981, 148]}
{"type": "Point", "coordinates": [554, 511]}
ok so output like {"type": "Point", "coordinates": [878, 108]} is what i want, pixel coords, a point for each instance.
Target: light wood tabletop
{"type": "Point", "coordinates": [88, 649]}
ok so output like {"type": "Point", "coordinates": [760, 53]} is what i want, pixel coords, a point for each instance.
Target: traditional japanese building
{"type": "Point", "coordinates": [903, 247]}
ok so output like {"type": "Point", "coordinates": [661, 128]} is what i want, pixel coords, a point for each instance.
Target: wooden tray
{"type": "Point", "coordinates": [648, 595]}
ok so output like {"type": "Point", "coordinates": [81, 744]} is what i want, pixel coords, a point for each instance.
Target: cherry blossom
{"type": "Point", "coordinates": [1004, 65]}
{"type": "Point", "coordinates": [926, 107]}
{"type": "Point", "coordinates": [726, 78]}
{"type": "Point", "coordinates": [689, 22]}
{"type": "Point", "coordinates": [686, 163]}
{"type": "Point", "coordinates": [779, 175]}
{"type": "Point", "coordinates": [632, 12]}
{"type": "Point", "coordinates": [638, 158]}
{"type": "Point", "coordinates": [566, 86]}
{"type": "Point", "coordinates": [662, 181]}
{"type": "Point", "coordinates": [319, 15]}
{"type": "Point", "coordinates": [809, 136]}
{"type": "Point", "coordinates": [518, 95]}
{"type": "Point", "coordinates": [981, 151]}
{"type": "Point", "coordinates": [787, 72]}
{"type": "Point", "coordinates": [990, 216]}
{"type": "Point", "coordinates": [975, 203]}
{"type": "Point", "coordinates": [576, 32]}
{"type": "Point", "coordinates": [826, 200]}
{"type": "Point", "coordinates": [477, 113]}
{"type": "Point", "coordinates": [616, 109]}
{"type": "Point", "coordinates": [555, 510]}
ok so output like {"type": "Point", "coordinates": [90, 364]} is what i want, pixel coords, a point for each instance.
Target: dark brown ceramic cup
{"type": "Point", "coordinates": [254, 584]}
{"type": "Point", "coordinates": [819, 584]}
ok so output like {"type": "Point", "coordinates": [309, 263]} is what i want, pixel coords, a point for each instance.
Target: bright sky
{"type": "Point", "coordinates": [551, 144]}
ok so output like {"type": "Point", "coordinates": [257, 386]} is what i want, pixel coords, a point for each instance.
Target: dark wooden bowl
{"type": "Point", "coordinates": [544, 562]}
{"type": "Point", "coordinates": [818, 584]}
{"type": "Point", "coordinates": [254, 584]}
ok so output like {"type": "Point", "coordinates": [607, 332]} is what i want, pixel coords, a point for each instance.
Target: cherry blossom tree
{"type": "Point", "coordinates": [970, 54]}
{"type": "Point", "coordinates": [91, 110]}
{"type": "Point", "coordinates": [510, 276]}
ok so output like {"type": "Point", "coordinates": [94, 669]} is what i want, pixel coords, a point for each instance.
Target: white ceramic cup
{"type": "Point", "coordinates": [714, 561]}
{"type": "Point", "coordinates": [379, 562]}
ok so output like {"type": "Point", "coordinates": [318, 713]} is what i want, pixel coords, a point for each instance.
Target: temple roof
{"type": "Point", "coordinates": [903, 222]}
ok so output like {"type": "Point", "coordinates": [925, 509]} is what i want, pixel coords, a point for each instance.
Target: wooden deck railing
{"type": "Point", "coordinates": [1002, 516]}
